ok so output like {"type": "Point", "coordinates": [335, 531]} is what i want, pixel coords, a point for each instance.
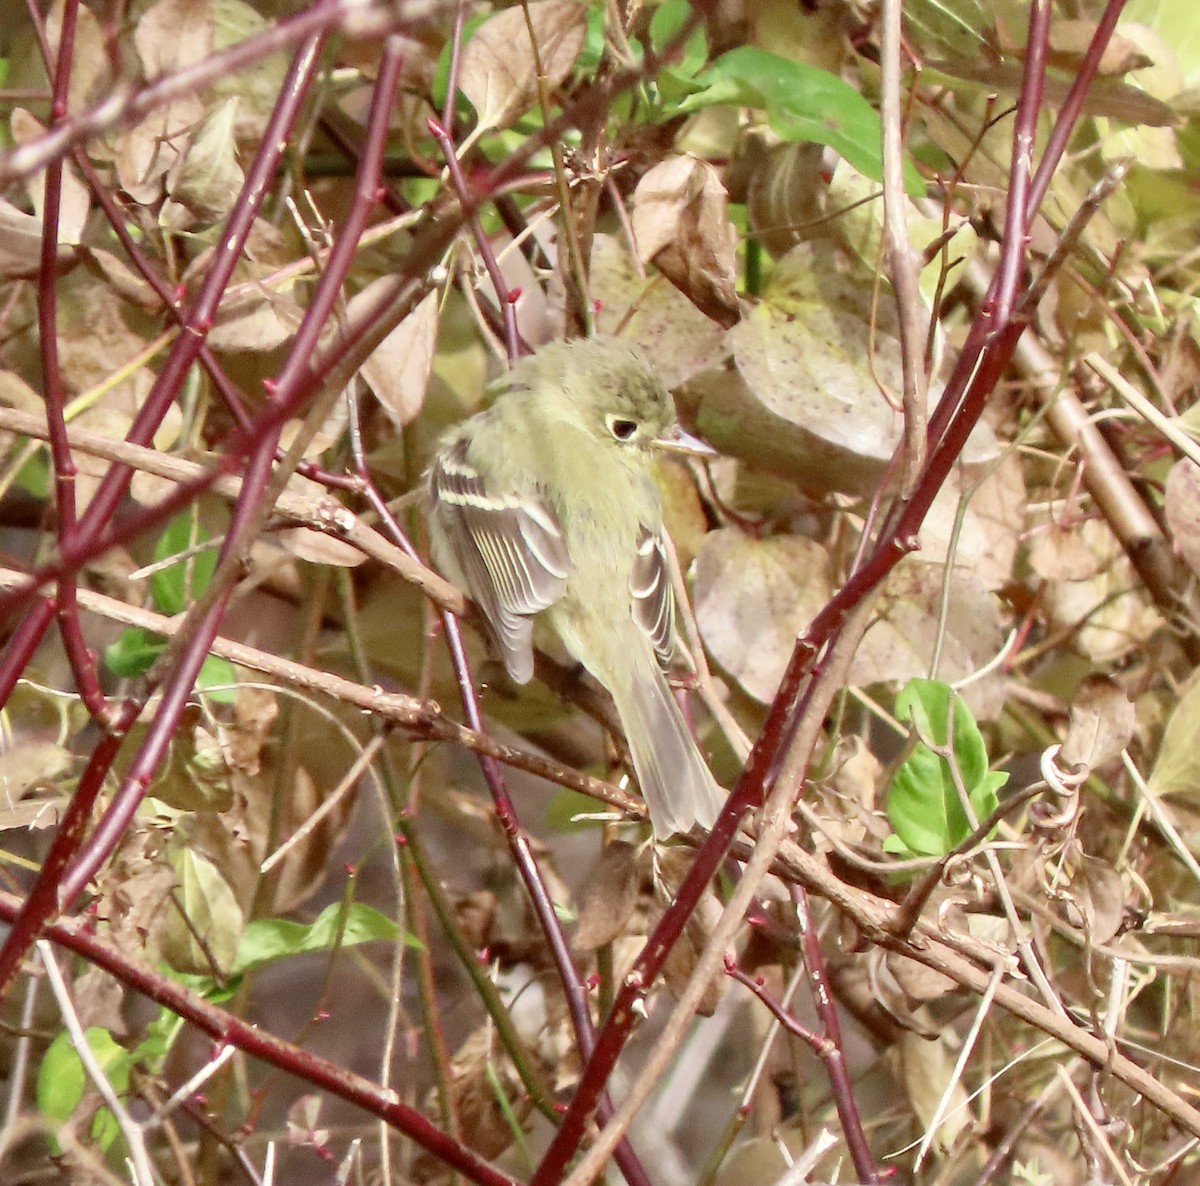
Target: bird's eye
{"type": "Point", "coordinates": [621, 428]}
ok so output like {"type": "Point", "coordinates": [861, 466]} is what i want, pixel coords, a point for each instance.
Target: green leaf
{"type": "Point", "coordinates": [212, 922]}
{"type": "Point", "coordinates": [676, 80]}
{"type": "Point", "coordinates": [218, 679]}
{"type": "Point", "coordinates": [151, 1052]}
{"type": "Point", "coordinates": [133, 653]}
{"type": "Point", "coordinates": [175, 587]}
{"type": "Point", "coordinates": [268, 940]}
{"type": "Point", "coordinates": [62, 1079]}
{"type": "Point", "coordinates": [923, 803]}
{"type": "Point", "coordinates": [802, 103]}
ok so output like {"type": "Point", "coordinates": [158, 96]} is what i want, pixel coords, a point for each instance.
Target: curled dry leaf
{"type": "Point", "coordinates": [169, 36]}
{"type": "Point", "coordinates": [500, 67]}
{"type": "Point", "coordinates": [845, 802]}
{"type": "Point", "coordinates": [786, 195]}
{"type": "Point", "coordinates": [133, 893]}
{"type": "Point", "coordinates": [478, 1069]}
{"type": "Point", "coordinates": [1102, 721]}
{"type": "Point", "coordinates": [398, 369]}
{"type": "Point", "coordinates": [681, 225]}
{"type": "Point", "coordinates": [886, 994]}
{"type": "Point", "coordinates": [1097, 893]}
{"type": "Point", "coordinates": [754, 598]}
{"type": "Point", "coordinates": [609, 897]}
{"type": "Point", "coordinates": [813, 364]}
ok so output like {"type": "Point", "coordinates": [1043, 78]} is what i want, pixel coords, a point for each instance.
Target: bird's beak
{"type": "Point", "coordinates": [675, 440]}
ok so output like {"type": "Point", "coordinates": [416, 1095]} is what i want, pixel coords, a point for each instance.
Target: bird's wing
{"type": "Point", "coordinates": [653, 600]}
{"type": "Point", "coordinates": [509, 548]}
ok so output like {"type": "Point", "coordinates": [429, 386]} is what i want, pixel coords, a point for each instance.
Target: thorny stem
{"type": "Point", "coordinates": [82, 661]}
{"type": "Point", "coordinates": [43, 900]}
{"type": "Point", "coordinates": [990, 345]}
{"type": "Point", "coordinates": [573, 987]}
{"type": "Point", "coordinates": [228, 1030]}
{"type": "Point", "coordinates": [507, 297]}
{"type": "Point", "coordinates": [834, 1056]}
{"type": "Point", "coordinates": [127, 103]}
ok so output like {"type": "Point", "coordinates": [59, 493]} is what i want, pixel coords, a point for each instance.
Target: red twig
{"type": "Point", "coordinates": [82, 661]}
{"type": "Point", "coordinates": [43, 900]}
{"type": "Point", "coordinates": [229, 1030]}
{"type": "Point", "coordinates": [507, 297]}
{"type": "Point", "coordinates": [992, 342]}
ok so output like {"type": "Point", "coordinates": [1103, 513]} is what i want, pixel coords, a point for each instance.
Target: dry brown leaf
{"type": "Point", "coordinates": [499, 69]}
{"type": "Point", "coordinates": [172, 35]}
{"type": "Point", "coordinates": [145, 152]}
{"type": "Point", "coordinates": [927, 1071]}
{"type": "Point", "coordinates": [206, 181]}
{"type": "Point", "coordinates": [920, 983]}
{"type": "Point", "coordinates": [754, 598]}
{"type": "Point", "coordinates": [1102, 722]}
{"type": "Point", "coordinates": [1110, 608]}
{"type": "Point", "coordinates": [26, 766]}
{"type": "Point", "coordinates": [258, 322]}
{"type": "Point", "coordinates": [992, 528]}
{"type": "Point", "coordinates": [1098, 893]}
{"type": "Point", "coordinates": [681, 225]}
{"type": "Point", "coordinates": [122, 278]}
{"type": "Point", "coordinates": [91, 62]}
{"type": "Point", "coordinates": [785, 197]}
{"type": "Point", "coordinates": [99, 1000]}
{"type": "Point", "coordinates": [652, 314]}
{"type": "Point", "coordinates": [1060, 552]}
{"type": "Point", "coordinates": [815, 395]}
{"type": "Point", "coordinates": [476, 1068]}
{"type": "Point", "coordinates": [75, 200]}
{"type": "Point", "coordinates": [900, 641]}
{"type": "Point", "coordinates": [20, 242]}
{"type": "Point", "coordinates": [304, 1123]}
{"type": "Point", "coordinates": [610, 896]}
{"type": "Point", "coordinates": [399, 368]}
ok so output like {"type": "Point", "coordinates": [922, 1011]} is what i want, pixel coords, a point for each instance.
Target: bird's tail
{"type": "Point", "coordinates": [677, 785]}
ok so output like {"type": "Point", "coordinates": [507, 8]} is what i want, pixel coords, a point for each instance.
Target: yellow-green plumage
{"type": "Point", "coordinates": [545, 504]}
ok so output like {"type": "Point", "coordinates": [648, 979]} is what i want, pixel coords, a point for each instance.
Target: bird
{"type": "Point", "coordinates": [544, 505]}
